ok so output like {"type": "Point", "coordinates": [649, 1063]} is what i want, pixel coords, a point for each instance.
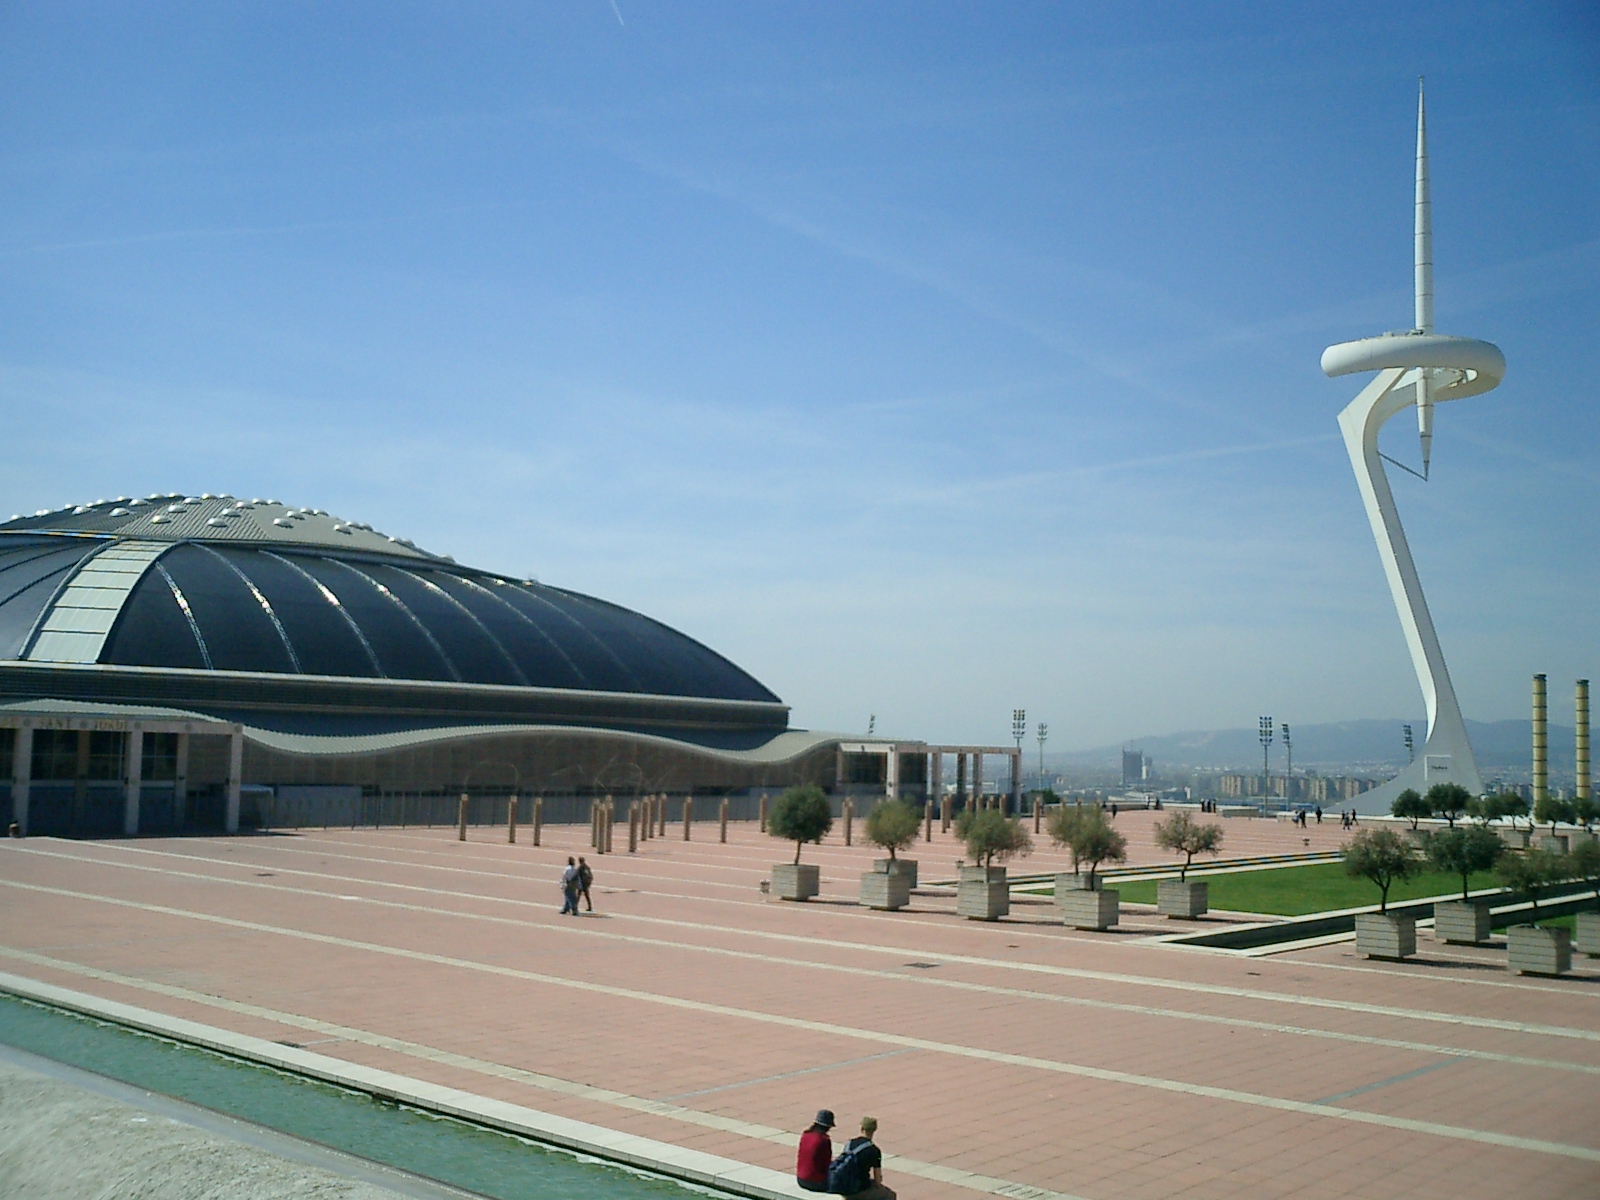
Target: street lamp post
{"type": "Point", "coordinates": [1266, 744]}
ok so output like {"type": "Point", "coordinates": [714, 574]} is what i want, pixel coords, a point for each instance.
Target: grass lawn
{"type": "Point", "coordinates": [1295, 891]}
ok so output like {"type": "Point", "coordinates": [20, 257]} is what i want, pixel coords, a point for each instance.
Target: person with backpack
{"type": "Point", "coordinates": [858, 1171]}
{"type": "Point", "coordinates": [816, 1152]}
{"type": "Point", "coordinates": [569, 888]}
{"type": "Point", "coordinates": [585, 878]}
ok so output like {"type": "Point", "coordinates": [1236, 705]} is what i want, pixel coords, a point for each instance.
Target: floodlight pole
{"type": "Point", "coordinates": [1265, 734]}
{"type": "Point", "coordinates": [1019, 730]}
{"type": "Point", "coordinates": [1044, 732]}
{"type": "Point", "coordinates": [1288, 771]}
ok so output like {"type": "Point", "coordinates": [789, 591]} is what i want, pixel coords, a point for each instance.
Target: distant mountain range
{"type": "Point", "coordinates": [1343, 746]}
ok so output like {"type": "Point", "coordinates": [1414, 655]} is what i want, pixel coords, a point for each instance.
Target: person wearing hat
{"type": "Point", "coordinates": [816, 1152]}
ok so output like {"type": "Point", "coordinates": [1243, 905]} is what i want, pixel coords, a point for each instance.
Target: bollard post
{"type": "Point", "coordinates": [611, 820]}
{"type": "Point", "coordinates": [594, 825]}
{"type": "Point", "coordinates": [927, 820]}
{"type": "Point", "coordinates": [722, 820]}
{"type": "Point", "coordinates": [849, 812]}
{"type": "Point", "coordinates": [1037, 807]}
{"type": "Point", "coordinates": [944, 814]}
{"type": "Point", "coordinates": [763, 812]}
{"type": "Point", "coordinates": [462, 820]}
{"type": "Point", "coordinates": [538, 818]}
{"type": "Point", "coordinates": [688, 814]}
{"type": "Point", "coordinates": [633, 828]}
{"type": "Point", "coordinates": [511, 820]}
{"type": "Point", "coordinates": [661, 815]}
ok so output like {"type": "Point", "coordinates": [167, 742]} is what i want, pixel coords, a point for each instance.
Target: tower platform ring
{"type": "Point", "coordinates": [1481, 364]}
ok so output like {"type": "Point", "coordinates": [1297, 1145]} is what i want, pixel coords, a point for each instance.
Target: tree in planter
{"type": "Point", "coordinates": [1535, 871]}
{"type": "Point", "coordinates": [1464, 852]}
{"type": "Point", "coordinates": [989, 834]}
{"type": "Point", "coordinates": [1062, 826]}
{"type": "Point", "coordinates": [1585, 811]}
{"type": "Point", "coordinates": [1584, 863]}
{"type": "Point", "coordinates": [1449, 800]}
{"type": "Point", "coordinates": [1180, 834]}
{"type": "Point", "coordinates": [801, 815]}
{"type": "Point", "coordinates": [1382, 857]}
{"type": "Point", "coordinates": [1409, 805]}
{"type": "Point", "coordinates": [1095, 842]}
{"type": "Point", "coordinates": [893, 826]}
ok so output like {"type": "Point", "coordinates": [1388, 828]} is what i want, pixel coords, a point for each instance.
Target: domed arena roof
{"type": "Point", "coordinates": [213, 583]}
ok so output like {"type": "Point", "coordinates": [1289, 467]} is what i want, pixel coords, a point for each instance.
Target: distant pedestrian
{"type": "Point", "coordinates": [1113, 812]}
{"type": "Point", "coordinates": [1319, 814]}
{"type": "Point", "coordinates": [585, 878]}
{"type": "Point", "coordinates": [816, 1152]}
{"type": "Point", "coordinates": [858, 1171]}
{"type": "Point", "coordinates": [569, 888]}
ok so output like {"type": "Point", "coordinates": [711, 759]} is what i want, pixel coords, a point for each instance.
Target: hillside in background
{"type": "Point", "coordinates": [1502, 747]}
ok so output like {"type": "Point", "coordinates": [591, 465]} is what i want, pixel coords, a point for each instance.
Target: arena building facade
{"type": "Point", "coordinates": [205, 662]}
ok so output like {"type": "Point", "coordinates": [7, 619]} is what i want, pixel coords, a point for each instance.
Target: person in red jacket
{"type": "Point", "coordinates": [816, 1152]}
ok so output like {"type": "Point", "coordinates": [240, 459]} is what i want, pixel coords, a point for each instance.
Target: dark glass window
{"type": "Point", "coordinates": [476, 654]}
{"type": "Point", "coordinates": [323, 639]}
{"type": "Point", "coordinates": [397, 639]}
{"type": "Point", "coordinates": [160, 757]}
{"type": "Point", "coordinates": [106, 754]}
{"type": "Point", "coordinates": [151, 630]}
{"type": "Point", "coordinates": [8, 746]}
{"type": "Point", "coordinates": [541, 658]}
{"type": "Point", "coordinates": [55, 754]}
{"type": "Point", "coordinates": [238, 633]}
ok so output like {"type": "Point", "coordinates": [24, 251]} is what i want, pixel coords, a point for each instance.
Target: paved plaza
{"type": "Point", "coordinates": [1015, 1058]}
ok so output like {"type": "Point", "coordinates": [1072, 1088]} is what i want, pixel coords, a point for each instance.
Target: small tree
{"type": "Point", "coordinates": [1585, 811]}
{"type": "Point", "coordinates": [893, 826]}
{"type": "Point", "coordinates": [1552, 810]}
{"type": "Point", "coordinates": [1449, 800]}
{"type": "Point", "coordinates": [1383, 857]}
{"type": "Point", "coordinates": [801, 815]}
{"type": "Point", "coordinates": [1503, 804]}
{"type": "Point", "coordinates": [1063, 824]}
{"type": "Point", "coordinates": [1180, 834]}
{"type": "Point", "coordinates": [989, 834]}
{"type": "Point", "coordinates": [1410, 805]}
{"type": "Point", "coordinates": [1585, 865]}
{"type": "Point", "coordinates": [1094, 841]}
{"type": "Point", "coordinates": [1464, 852]}
{"type": "Point", "coordinates": [1532, 872]}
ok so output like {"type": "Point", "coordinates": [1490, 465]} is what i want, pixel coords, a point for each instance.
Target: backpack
{"type": "Point", "coordinates": [847, 1175]}
{"type": "Point", "coordinates": [585, 877]}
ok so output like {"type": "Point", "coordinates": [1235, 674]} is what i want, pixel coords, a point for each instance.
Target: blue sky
{"type": "Point", "coordinates": [926, 359]}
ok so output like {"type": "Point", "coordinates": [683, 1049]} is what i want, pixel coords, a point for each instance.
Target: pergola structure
{"type": "Point", "coordinates": [901, 758]}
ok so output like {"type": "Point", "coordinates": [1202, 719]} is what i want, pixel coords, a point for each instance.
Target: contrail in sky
{"type": "Point", "coordinates": [618, 11]}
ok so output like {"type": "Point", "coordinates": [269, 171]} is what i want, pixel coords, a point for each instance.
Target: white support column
{"type": "Point", "coordinates": [21, 776]}
{"type": "Point", "coordinates": [1016, 781]}
{"type": "Point", "coordinates": [235, 771]}
{"type": "Point", "coordinates": [891, 774]}
{"type": "Point", "coordinates": [977, 778]}
{"type": "Point", "coordinates": [135, 783]}
{"type": "Point", "coordinates": [936, 777]}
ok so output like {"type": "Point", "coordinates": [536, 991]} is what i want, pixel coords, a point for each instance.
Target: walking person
{"type": "Point", "coordinates": [858, 1171]}
{"type": "Point", "coordinates": [816, 1152]}
{"type": "Point", "coordinates": [569, 888]}
{"type": "Point", "coordinates": [585, 878]}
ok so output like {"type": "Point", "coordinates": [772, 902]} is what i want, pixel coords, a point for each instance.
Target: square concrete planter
{"type": "Point", "coordinates": [1078, 882]}
{"type": "Point", "coordinates": [1461, 923]}
{"type": "Point", "coordinates": [983, 894]}
{"type": "Point", "coordinates": [887, 890]}
{"type": "Point", "coordinates": [897, 866]}
{"type": "Point", "coordinates": [1536, 951]}
{"type": "Point", "coordinates": [1588, 939]}
{"type": "Point", "coordinates": [1380, 935]}
{"type": "Point", "coordinates": [1517, 839]}
{"type": "Point", "coordinates": [1177, 898]}
{"type": "Point", "coordinates": [1552, 843]}
{"type": "Point", "coordinates": [1082, 909]}
{"type": "Point", "coordinates": [796, 881]}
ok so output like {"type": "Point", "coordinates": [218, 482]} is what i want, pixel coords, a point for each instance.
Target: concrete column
{"type": "Point", "coordinates": [461, 819]}
{"type": "Point", "coordinates": [1016, 781]}
{"type": "Point", "coordinates": [936, 777]}
{"type": "Point", "coordinates": [538, 818]}
{"type": "Point", "coordinates": [511, 820]}
{"type": "Point", "coordinates": [722, 820]}
{"type": "Point", "coordinates": [838, 767]}
{"type": "Point", "coordinates": [927, 820]}
{"type": "Point", "coordinates": [977, 777]}
{"type": "Point", "coordinates": [944, 814]}
{"type": "Point", "coordinates": [849, 812]}
{"type": "Point", "coordinates": [961, 777]}
{"type": "Point", "coordinates": [1541, 741]}
{"type": "Point", "coordinates": [1581, 758]}
{"type": "Point", "coordinates": [180, 784]}
{"type": "Point", "coordinates": [661, 814]}
{"type": "Point", "coordinates": [21, 777]}
{"type": "Point", "coordinates": [135, 784]}
{"type": "Point", "coordinates": [1037, 805]}
{"type": "Point", "coordinates": [763, 812]}
{"type": "Point", "coordinates": [235, 778]}
{"type": "Point", "coordinates": [633, 828]}
{"type": "Point", "coordinates": [688, 813]}
{"type": "Point", "coordinates": [891, 773]}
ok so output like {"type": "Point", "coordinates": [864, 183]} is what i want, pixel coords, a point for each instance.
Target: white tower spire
{"type": "Point", "coordinates": [1424, 280]}
{"type": "Point", "coordinates": [1423, 368]}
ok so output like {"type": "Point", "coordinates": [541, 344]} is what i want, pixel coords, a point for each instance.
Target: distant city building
{"type": "Point", "coordinates": [1135, 768]}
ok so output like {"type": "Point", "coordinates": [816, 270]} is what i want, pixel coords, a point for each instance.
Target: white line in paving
{"type": "Point", "coordinates": [986, 1184]}
{"type": "Point", "coordinates": [813, 964]}
{"type": "Point", "coordinates": [1101, 1074]}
